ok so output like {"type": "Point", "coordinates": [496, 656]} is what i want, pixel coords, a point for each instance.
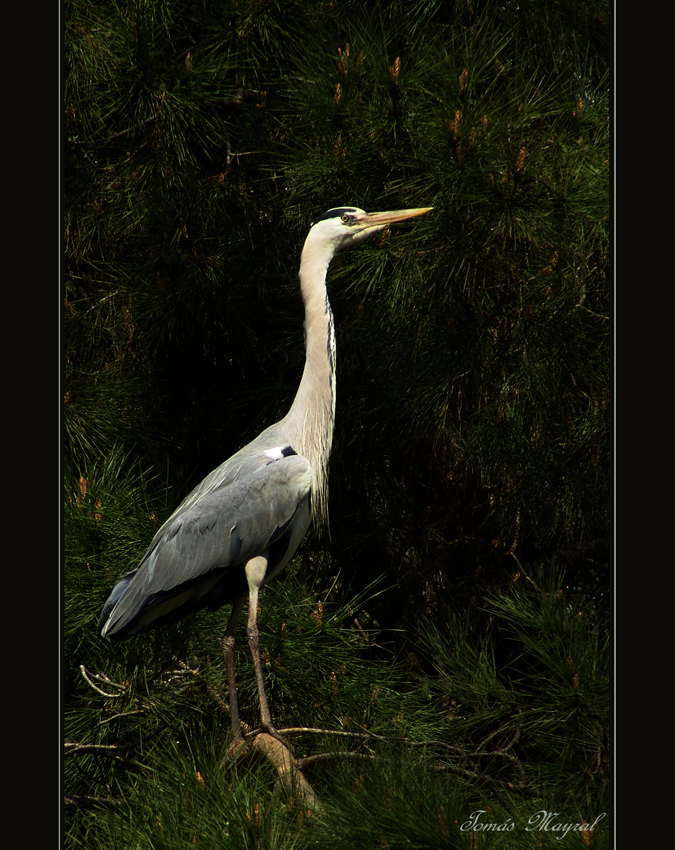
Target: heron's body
{"type": "Point", "coordinates": [241, 526]}
{"type": "Point", "coordinates": [257, 501]}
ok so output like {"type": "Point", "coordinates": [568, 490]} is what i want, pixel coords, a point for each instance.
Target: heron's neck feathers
{"type": "Point", "coordinates": [310, 420]}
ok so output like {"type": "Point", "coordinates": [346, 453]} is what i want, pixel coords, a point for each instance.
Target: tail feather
{"type": "Point", "coordinates": [113, 599]}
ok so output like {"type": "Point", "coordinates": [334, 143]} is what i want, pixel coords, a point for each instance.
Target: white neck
{"type": "Point", "coordinates": [309, 422]}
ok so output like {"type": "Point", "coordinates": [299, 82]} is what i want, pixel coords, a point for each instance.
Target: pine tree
{"type": "Point", "coordinates": [457, 618]}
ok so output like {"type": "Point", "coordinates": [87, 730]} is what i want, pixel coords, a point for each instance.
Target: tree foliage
{"type": "Point", "coordinates": [466, 577]}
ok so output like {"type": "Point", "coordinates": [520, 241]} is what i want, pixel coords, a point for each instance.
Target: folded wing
{"type": "Point", "coordinates": [196, 559]}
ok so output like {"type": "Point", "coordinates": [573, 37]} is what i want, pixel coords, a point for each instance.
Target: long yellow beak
{"type": "Point", "coordinates": [382, 219]}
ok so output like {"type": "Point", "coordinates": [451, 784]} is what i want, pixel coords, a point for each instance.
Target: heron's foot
{"type": "Point", "coordinates": [270, 730]}
{"type": "Point", "coordinates": [236, 749]}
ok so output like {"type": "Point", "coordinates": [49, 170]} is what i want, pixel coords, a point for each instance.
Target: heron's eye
{"type": "Point", "coordinates": [346, 218]}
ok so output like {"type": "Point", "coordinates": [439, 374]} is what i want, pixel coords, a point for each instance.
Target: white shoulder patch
{"type": "Point", "coordinates": [276, 453]}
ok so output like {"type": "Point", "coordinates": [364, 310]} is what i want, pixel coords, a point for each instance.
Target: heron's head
{"type": "Point", "coordinates": [342, 227]}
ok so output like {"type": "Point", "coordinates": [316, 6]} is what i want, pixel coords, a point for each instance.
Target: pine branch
{"type": "Point", "coordinates": [88, 802]}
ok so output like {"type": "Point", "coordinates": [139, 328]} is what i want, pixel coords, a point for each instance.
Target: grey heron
{"type": "Point", "coordinates": [240, 527]}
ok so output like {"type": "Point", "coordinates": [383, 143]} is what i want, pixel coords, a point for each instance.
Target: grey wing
{"type": "Point", "coordinates": [267, 446]}
{"type": "Point", "coordinates": [189, 561]}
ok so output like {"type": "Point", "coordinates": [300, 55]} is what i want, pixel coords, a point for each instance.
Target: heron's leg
{"type": "Point", "coordinates": [228, 653]}
{"type": "Point", "coordinates": [255, 574]}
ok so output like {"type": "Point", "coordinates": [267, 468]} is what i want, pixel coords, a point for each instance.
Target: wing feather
{"type": "Point", "coordinates": [217, 527]}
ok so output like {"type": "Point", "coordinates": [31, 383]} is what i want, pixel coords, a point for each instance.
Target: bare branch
{"type": "Point", "coordinates": [122, 714]}
{"type": "Point", "coordinates": [114, 751]}
{"type": "Point", "coordinates": [299, 730]}
{"type": "Point", "coordinates": [308, 761]}
{"type": "Point", "coordinates": [101, 678]}
{"type": "Point", "coordinates": [86, 802]}
{"type": "Point", "coordinates": [522, 570]}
